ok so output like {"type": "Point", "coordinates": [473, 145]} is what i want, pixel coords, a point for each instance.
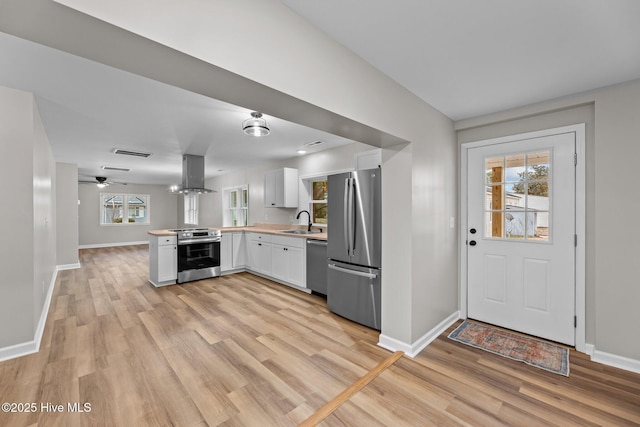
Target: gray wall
{"type": "Point", "coordinates": [91, 233]}
{"type": "Point", "coordinates": [612, 120]}
{"type": "Point", "coordinates": [27, 255]}
{"type": "Point", "coordinates": [67, 214]}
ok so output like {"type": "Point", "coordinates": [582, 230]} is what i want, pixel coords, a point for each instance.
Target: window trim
{"type": "Point", "coordinates": [125, 208]}
{"type": "Point", "coordinates": [196, 210]}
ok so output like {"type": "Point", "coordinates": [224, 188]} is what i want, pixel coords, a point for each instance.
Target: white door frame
{"type": "Point", "coordinates": [580, 272]}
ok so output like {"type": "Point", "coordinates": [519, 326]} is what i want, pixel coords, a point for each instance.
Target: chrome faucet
{"type": "Point", "coordinates": [309, 215]}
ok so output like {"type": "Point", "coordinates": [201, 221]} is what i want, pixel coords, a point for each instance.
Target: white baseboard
{"type": "Point", "coordinates": [113, 245]}
{"type": "Point", "coordinates": [616, 361]}
{"type": "Point", "coordinates": [413, 349]}
{"type": "Point", "coordinates": [32, 346]}
{"type": "Point", "coordinates": [69, 266]}
{"type": "Point", "coordinates": [589, 349]}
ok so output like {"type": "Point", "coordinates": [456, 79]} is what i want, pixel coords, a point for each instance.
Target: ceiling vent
{"type": "Point", "coordinates": [311, 144]}
{"type": "Point", "coordinates": [112, 168]}
{"type": "Point", "coordinates": [131, 153]}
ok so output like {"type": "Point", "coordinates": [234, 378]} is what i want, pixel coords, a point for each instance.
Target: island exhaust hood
{"type": "Point", "coordinates": [192, 175]}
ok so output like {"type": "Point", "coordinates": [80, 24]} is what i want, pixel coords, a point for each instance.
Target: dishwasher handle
{"type": "Point", "coordinates": [317, 242]}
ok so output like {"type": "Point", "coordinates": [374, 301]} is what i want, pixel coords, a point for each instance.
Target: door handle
{"type": "Point", "coordinates": [472, 243]}
{"type": "Point", "coordinates": [354, 272]}
{"type": "Point", "coordinates": [472, 231]}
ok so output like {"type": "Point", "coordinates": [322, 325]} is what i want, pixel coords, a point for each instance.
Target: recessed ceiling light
{"type": "Point", "coordinates": [301, 151]}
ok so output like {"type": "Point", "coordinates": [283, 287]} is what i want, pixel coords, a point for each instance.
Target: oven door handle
{"type": "Point", "coordinates": [192, 241]}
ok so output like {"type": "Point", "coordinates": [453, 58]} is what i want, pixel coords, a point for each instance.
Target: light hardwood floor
{"type": "Point", "coordinates": [240, 350]}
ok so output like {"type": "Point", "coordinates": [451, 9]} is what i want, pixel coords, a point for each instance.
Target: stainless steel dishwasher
{"type": "Point", "coordinates": [317, 266]}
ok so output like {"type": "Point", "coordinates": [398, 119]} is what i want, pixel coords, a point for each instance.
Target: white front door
{"type": "Point", "coordinates": [520, 236]}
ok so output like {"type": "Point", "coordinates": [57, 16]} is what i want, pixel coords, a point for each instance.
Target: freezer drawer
{"type": "Point", "coordinates": [354, 292]}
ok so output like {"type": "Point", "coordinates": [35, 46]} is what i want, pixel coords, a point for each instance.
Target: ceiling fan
{"type": "Point", "coordinates": [101, 182]}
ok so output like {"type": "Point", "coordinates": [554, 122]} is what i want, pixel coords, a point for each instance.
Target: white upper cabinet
{"type": "Point", "coordinates": [370, 159]}
{"type": "Point", "coordinates": [281, 188]}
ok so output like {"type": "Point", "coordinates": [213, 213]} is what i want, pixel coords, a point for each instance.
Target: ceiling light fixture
{"type": "Point", "coordinates": [256, 125]}
{"type": "Point", "coordinates": [301, 151]}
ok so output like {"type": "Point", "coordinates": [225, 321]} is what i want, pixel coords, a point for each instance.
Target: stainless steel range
{"type": "Point", "coordinates": [198, 253]}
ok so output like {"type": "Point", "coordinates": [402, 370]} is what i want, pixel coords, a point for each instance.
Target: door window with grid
{"type": "Point", "coordinates": [517, 198]}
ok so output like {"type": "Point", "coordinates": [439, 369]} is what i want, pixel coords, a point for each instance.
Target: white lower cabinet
{"type": "Point", "coordinates": [233, 251]}
{"type": "Point", "coordinates": [288, 260]}
{"type": "Point", "coordinates": [281, 258]}
{"type": "Point", "coordinates": [226, 252]}
{"type": "Point", "coordinates": [260, 253]}
{"type": "Point", "coordinates": [239, 250]}
{"type": "Point", "coordinates": [163, 260]}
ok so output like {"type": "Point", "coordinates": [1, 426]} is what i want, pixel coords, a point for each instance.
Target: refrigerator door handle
{"type": "Point", "coordinates": [354, 272]}
{"type": "Point", "coordinates": [347, 215]}
{"type": "Point", "coordinates": [351, 220]}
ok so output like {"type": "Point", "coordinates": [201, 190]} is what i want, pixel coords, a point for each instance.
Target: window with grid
{"type": "Point", "coordinates": [119, 209]}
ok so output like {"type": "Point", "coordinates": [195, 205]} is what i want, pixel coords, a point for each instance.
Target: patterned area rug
{"type": "Point", "coordinates": [532, 351]}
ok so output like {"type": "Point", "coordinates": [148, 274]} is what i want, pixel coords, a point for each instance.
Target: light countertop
{"type": "Point", "coordinates": [266, 228]}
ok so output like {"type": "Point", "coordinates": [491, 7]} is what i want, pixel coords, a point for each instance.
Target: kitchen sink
{"type": "Point", "coordinates": [301, 232]}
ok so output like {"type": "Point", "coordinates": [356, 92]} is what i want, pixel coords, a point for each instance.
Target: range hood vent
{"type": "Point", "coordinates": [192, 175]}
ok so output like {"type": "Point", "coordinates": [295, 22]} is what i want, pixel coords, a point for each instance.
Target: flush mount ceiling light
{"type": "Point", "coordinates": [256, 125]}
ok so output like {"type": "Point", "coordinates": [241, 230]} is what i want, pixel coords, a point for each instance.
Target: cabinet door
{"type": "Point", "coordinates": [260, 257]}
{"type": "Point", "coordinates": [264, 258]}
{"type": "Point", "coordinates": [167, 263]}
{"type": "Point", "coordinates": [296, 261]}
{"type": "Point", "coordinates": [270, 189]}
{"type": "Point", "coordinates": [239, 255]}
{"type": "Point", "coordinates": [226, 252]}
{"type": "Point", "coordinates": [252, 255]}
{"type": "Point", "coordinates": [280, 262]}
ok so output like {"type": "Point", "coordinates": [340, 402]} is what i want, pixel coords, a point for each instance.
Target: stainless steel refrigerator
{"type": "Point", "coordinates": [354, 242]}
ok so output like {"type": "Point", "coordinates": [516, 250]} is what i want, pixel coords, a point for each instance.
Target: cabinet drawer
{"type": "Point", "coordinates": [167, 240]}
{"type": "Point", "coordinates": [296, 242]}
{"type": "Point", "coordinates": [260, 237]}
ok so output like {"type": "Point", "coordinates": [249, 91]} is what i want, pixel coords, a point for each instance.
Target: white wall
{"type": "Point", "coordinates": [611, 116]}
{"type": "Point", "coordinates": [67, 214]}
{"type": "Point", "coordinates": [91, 233]}
{"type": "Point", "coordinates": [340, 158]}
{"type": "Point", "coordinates": [44, 216]}
{"type": "Point", "coordinates": [27, 255]}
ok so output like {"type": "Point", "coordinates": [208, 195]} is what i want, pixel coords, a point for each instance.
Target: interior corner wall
{"type": "Point", "coordinates": [435, 226]}
{"type": "Point", "coordinates": [16, 259]}
{"type": "Point", "coordinates": [28, 263]}
{"type": "Point", "coordinates": [612, 150]}
{"type": "Point", "coordinates": [66, 214]}
{"type": "Point", "coordinates": [44, 216]}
